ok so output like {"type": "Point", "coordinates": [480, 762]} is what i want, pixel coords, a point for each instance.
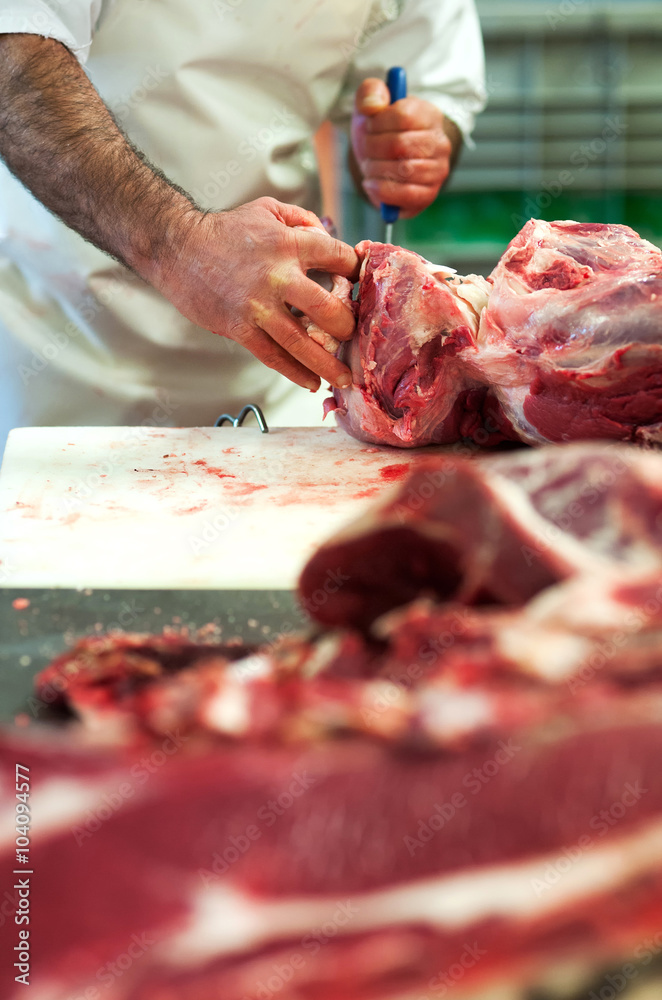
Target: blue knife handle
{"type": "Point", "coordinates": [396, 81]}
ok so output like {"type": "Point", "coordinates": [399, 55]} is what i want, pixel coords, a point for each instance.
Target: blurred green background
{"type": "Point", "coordinates": [572, 130]}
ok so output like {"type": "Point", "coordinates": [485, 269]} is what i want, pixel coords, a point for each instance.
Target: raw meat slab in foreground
{"type": "Point", "coordinates": [459, 771]}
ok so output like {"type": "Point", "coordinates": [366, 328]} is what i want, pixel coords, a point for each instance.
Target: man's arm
{"type": "Point", "coordinates": [235, 272]}
{"type": "Point", "coordinates": [59, 139]}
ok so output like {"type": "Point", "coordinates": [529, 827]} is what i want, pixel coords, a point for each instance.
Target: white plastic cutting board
{"type": "Point", "coordinates": [168, 508]}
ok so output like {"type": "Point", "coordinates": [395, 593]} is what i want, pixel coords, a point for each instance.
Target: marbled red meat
{"type": "Point", "coordinates": [461, 775]}
{"type": "Point", "coordinates": [411, 358]}
{"type": "Point", "coordinates": [562, 343]}
{"type": "Point", "coordinates": [496, 531]}
{"type": "Point", "coordinates": [200, 877]}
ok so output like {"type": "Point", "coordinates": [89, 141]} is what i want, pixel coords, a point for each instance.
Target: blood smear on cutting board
{"type": "Point", "coordinates": [391, 473]}
{"type": "Point", "coordinates": [245, 489]}
{"type": "Point", "coordinates": [213, 470]}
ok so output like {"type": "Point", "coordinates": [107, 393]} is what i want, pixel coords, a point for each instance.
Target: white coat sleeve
{"type": "Point", "coordinates": [71, 22]}
{"type": "Point", "coordinates": [439, 43]}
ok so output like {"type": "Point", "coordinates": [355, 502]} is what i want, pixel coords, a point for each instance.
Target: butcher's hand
{"type": "Point", "coordinates": [237, 273]}
{"type": "Point", "coordinates": [232, 272]}
{"type": "Point", "coordinates": [403, 153]}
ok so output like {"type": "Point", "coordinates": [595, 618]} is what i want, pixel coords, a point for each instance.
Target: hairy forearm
{"type": "Point", "coordinates": [236, 272]}
{"type": "Point", "coordinates": [60, 140]}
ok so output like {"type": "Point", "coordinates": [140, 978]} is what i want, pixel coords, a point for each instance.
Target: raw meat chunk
{"type": "Point", "coordinates": [462, 774]}
{"type": "Point", "coordinates": [563, 342]}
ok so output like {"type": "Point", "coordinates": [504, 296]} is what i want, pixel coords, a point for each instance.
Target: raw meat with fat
{"type": "Point", "coordinates": [459, 772]}
{"type": "Point", "coordinates": [417, 328]}
{"type": "Point", "coordinates": [563, 342]}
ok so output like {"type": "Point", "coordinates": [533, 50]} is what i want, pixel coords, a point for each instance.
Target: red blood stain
{"type": "Point", "coordinates": [20, 603]}
{"type": "Point", "coordinates": [213, 470]}
{"type": "Point", "coordinates": [192, 510]}
{"type": "Point", "coordinates": [391, 473]}
{"type": "Point", "coordinates": [370, 492]}
{"type": "Point", "coordinates": [245, 489]}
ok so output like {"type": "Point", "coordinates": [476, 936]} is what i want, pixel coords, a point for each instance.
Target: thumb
{"type": "Point", "coordinates": [372, 96]}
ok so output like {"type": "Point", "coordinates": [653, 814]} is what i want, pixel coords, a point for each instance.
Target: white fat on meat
{"type": "Point", "coordinates": [448, 713]}
{"type": "Point", "coordinates": [227, 710]}
{"type": "Point", "coordinates": [227, 920]}
{"type": "Point", "coordinates": [59, 804]}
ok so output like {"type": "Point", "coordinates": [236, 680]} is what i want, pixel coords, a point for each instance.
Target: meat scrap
{"type": "Point", "coordinates": [562, 342]}
{"type": "Point", "coordinates": [497, 532]}
{"type": "Point", "coordinates": [459, 769]}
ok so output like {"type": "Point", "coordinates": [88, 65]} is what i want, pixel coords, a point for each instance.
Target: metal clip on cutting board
{"type": "Point", "coordinates": [238, 421]}
{"type": "Point", "coordinates": [396, 81]}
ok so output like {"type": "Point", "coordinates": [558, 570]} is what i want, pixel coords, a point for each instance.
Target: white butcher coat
{"type": "Point", "coordinates": [224, 96]}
